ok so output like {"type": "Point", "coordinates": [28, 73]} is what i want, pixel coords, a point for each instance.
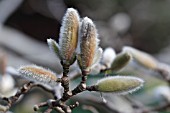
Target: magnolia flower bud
{"type": "Point", "coordinates": [54, 47]}
{"type": "Point", "coordinates": [119, 84]}
{"type": "Point", "coordinates": [120, 61]}
{"type": "Point", "coordinates": [89, 53]}
{"type": "Point", "coordinates": [69, 35]}
{"type": "Point", "coordinates": [142, 58]}
{"type": "Point", "coordinates": [38, 74]}
{"type": "Point", "coordinates": [108, 56]}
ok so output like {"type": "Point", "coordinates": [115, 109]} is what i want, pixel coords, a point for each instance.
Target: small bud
{"type": "Point", "coordinates": [38, 74]}
{"type": "Point", "coordinates": [142, 58]}
{"type": "Point", "coordinates": [120, 61]}
{"type": "Point", "coordinates": [54, 47]}
{"type": "Point", "coordinates": [69, 36]}
{"type": "Point", "coordinates": [89, 52]}
{"type": "Point", "coordinates": [108, 56]}
{"type": "Point", "coordinates": [119, 84]}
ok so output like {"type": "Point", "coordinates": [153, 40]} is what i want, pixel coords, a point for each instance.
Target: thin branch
{"type": "Point", "coordinates": [11, 100]}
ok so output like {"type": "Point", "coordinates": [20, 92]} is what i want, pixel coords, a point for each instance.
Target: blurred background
{"type": "Point", "coordinates": [26, 24]}
{"type": "Point", "coordinates": [141, 24]}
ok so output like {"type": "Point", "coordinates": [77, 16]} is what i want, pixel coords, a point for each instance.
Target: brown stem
{"type": "Point", "coordinates": [65, 80]}
{"type": "Point", "coordinates": [91, 88]}
{"type": "Point", "coordinates": [61, 103]}
{"type": "Point", "coordinates": [37, 107]}
{"type": "Point", "coordinates": [11, 100]}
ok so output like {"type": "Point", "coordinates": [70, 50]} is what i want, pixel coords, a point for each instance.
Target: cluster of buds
{"type": "Point", "coordinates": [79, 41]}
{"type": "Point", "coordinates": [66, 49]}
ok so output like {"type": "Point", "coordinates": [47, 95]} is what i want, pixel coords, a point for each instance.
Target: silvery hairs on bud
{"type": "Point", "coordinates": [89, 52]}
{"type": "Point", "coordinates": [38, 74]}
{"type": "Point", "coordinates": [69, 35]}
{"type": "Point", "coordinates": [119, 84]}
{"type": "Point", "coordinates": [54, 47]}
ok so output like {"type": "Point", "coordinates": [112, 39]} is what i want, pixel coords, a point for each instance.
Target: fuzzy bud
{"type": "Point", "coordinates": [69, 36]}
{"type": "Point", "coordinates": [109, 55]}
{"type": "Point", "coordinates": [38, 74]}
{"type": "Point", "coordinates": [142, 58]}
{"type": "Point", "coordinates": [88, 51]}
{"type": "Point", "coordinates": [121, 61]}
{"type": "Point", "coordinates": [119, 84]}
{"type": "Point", "coordinates": [54, 47]}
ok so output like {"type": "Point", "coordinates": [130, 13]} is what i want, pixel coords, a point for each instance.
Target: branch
{"type": "Point", "coordinates": [23, 90]}
{"type": "Point", "coordinates": [11, 100]}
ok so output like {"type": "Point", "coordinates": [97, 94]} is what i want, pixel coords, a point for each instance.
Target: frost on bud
{"type": "Point", "coordinates": [69, 36]}
{"type": "Point", "coordinates": [89, 52]}
{"type": "Point", "coordinates": [54, 47]}
{"type": "Point", "coordinates": [119, 84]}
{"type": "Point", "coordinates": [38, 74]}
{"type": "Point", "coordinates": [121, 61]}
{"type": "Point", "coordinates": [142, 58]}
{"type": "Point", "coordinates": [108, 56]}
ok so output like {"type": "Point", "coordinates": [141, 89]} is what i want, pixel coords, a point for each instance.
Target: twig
{"type": "Point", "coordinates": [23, 90]}
{"type": "Point", "coordinates": [11, 100]}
